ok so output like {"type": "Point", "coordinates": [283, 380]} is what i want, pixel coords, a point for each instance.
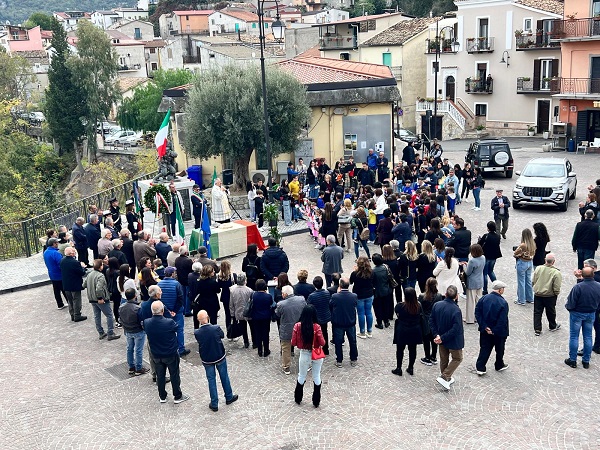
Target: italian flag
{"type": "Point", "coordinates": [161, 136]}
{"type": "Point", "coordinates": [179, 228]}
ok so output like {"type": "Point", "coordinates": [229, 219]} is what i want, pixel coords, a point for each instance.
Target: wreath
{"type": "Point", "coordinates": [150, 198]}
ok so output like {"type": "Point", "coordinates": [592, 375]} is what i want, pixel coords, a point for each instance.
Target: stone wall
{"type": "Point", "coordinates": [239, 202]}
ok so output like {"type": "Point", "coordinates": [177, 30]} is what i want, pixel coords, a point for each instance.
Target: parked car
{"type": "Point", "coordinates": [404, 135]}
{"type": "Point", "coordinates": [119, 137]}
{"type": "Point", "coordinates": [546, 181]}
{"type": "Point", "coordinates": [491, 155]}
{"type": "Point", "coordinates": [37, 117]}
{"type": "Point", "coordinates": [134, 140]}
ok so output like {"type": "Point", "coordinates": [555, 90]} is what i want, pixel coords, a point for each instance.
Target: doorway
{"type": "Point", "coordinates": [543, 116]}
{"type": "Point", "coordinates": [450, 85]}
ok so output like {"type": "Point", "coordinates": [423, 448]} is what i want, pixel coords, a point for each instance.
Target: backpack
{"type": "Point", "coordinates": [252, 271]}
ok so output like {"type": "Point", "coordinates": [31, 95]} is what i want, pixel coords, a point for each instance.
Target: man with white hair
{"type": "Point", "coordinates": [547, 280]}
{"type": "Point", "coordinates": [221, 212]}
{"type": "Point", "coordinates": [288, 310]}
{"type": "Point", "coordinates": [116, 252]}
{"type": "Point", "coordinates": [239, 296]}
{"type": "Point", "coordinates": [163, 248]}
{"type": "Point", "coordinates": [105, 244]}
{"type": "Point", "coordinates": [144, 246]}
{"type": "Point", "coordinates": [162, 336]}
{"type": "Point", "coordinates": [332, 259]}
{"type": "Point", "coordinates": [383, 170]}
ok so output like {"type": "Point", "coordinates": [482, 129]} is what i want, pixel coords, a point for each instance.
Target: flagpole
{"type": "Point", "coordinates": [156, 216]}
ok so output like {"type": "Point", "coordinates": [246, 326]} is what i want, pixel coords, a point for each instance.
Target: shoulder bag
{"type": "Point", "coordinates": [365, 233]}
{"type": "Point", "coordinates": [249, 307]}
{"type": "Point", "coordinates": [391, 280]}
{"type": "Point", "coordinates": [317, 352]}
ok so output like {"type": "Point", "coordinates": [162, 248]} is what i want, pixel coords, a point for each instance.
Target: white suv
{"type": "Point", "coordinates": [545, 181]}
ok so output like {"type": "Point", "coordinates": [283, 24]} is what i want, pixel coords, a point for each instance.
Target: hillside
{"type": "Point", "coordinates": [17, 11]}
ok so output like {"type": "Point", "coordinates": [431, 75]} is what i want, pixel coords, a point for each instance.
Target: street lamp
{"type": "Point", "coordinates": [436, 66]}
{"type": "Point", "coordinates": [278, 29]}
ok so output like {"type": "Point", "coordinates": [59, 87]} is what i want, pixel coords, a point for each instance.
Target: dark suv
{"type": "Point", "coordinates": [491, 155]}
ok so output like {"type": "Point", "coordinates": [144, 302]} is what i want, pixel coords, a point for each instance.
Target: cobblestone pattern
{"type": "Point", "coordinates": [58, 394]}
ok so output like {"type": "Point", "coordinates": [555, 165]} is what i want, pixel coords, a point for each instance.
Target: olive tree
{"type": "Point", "coordinates": [224, 115]}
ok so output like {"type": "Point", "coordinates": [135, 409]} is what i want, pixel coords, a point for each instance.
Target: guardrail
{"type": "Point", "coordinates": [22, 239]}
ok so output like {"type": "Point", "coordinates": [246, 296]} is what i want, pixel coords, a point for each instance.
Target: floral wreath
{"type": "Point", "coordinates": [150, 198]}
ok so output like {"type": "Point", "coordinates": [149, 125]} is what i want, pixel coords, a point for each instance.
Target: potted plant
{"type": "Point", "coordinates": [526, 78]}
{"type": "Point", "coordinates": [546, 134]}
{"type": "Point", "coordinates": [479, 129]}
{"type": "Point", "coordinates": [271, 214]}
{"type": "Point", "coordinates": [518, 33]}
{"type": "Point", "coordinates": [531, 130]}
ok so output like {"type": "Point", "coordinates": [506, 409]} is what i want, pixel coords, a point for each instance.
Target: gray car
{"type": "Point", "coordinates": [545, 181]}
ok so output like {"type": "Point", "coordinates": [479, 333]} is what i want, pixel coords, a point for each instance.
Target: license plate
{"type": "Point", "coordinates": [485, 163]}
{"type": "Point", "coordinates": [535, 199]}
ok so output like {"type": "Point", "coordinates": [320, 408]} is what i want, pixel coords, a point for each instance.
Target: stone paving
{"type": "Point", "coordinates": [65, 398]}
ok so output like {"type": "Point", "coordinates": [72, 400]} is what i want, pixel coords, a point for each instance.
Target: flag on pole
{"type": "Point", "coordinates": [179, 228]}
{"type": "Point", "coordinates": [136, 197]}
{"type": "Point", "coordinates": [214, 175]}
{"type": "Point", "coordinates": [205, 226]}
{"type": "Point", "coordinates": [161, 136]}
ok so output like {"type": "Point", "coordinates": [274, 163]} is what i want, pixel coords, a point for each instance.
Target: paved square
{"type": "Point", "coordinates": [58, 394]}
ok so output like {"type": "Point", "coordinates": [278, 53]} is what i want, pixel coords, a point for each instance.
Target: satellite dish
{"type": "Point", "coordinates": [258, 177]}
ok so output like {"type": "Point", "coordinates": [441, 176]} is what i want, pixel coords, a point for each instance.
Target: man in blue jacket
{"type": "Point", "coordinates": [162, 336]}
{"type": "Point", "coordinates": [212, 355]}
{"type": "Point", "coordinates": [52, 259]}
{"type": "Point", "coordinates": [491, 313]}
{"type": "Point", "coordinates": [343, 321]}
{"type": "Point", "coordinates": [446, 326]}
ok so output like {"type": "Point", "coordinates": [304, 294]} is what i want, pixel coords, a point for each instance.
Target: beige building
{"type": "Point", "coordinates": [500, 74]}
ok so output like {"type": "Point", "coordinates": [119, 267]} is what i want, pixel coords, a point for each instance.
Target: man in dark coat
{"type": "Point", "coordinates": [72, 272]}
{"type": "Point", "coordinates": [273, 261]}
{"type": "Point", "coordinates": [115, 214]}
{"type": "Point", "coordinates": [163, 248]}
{"type": "Point", "coordinates": [332, 259]}
{"type": "Point", "coordinates": [343, 321]}
{"type": "Point", "coordinates": [446, 326]}
{"type": "Point", "coordinates": [585, 238]}
{"type": "Point", "coordinates": [127, 249]}
{"type": "Point", "coordinates": [491, 313]}
{"type": "Point", "coordinates": [81, 243]}
{"type": "Point", "coordinates": [183, 265]}
{"type": "Point", "coordinates": [460, 241]}
{"type": "Point", "coordinates": [408, 154]}
{"type": "Point", "coordinates": [92, 234]}
{"type": "Point", "coordinates": [196, 205]}
{"type": "Point", "coordinates": [500, 204]}
{"type": "Point", "coordinates": [117, 253]}
{"type": "Point", "coordinates": [365, 176]}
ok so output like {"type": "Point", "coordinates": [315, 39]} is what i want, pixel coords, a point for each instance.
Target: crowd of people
{"type": "Point", "coordinates": [425, 263]}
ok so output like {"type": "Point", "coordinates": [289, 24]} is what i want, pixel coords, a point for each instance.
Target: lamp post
{"type": "Point", "coordinates": [278, 30]}
{"type": "Point", "coordinates": [436, 66]}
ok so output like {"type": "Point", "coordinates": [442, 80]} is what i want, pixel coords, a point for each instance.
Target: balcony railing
{"type": "Point", "coordinates": [579, 85]}
{"type": "Point", "coordinates": [527, 85]}
{"type": "Point", "coordinates": [132, 67]}
{"type": "Point", "coordinates": [576, 28]}
{"type": "Point", "coordinates": [190, 31]}
{"type": "Point", "coordinates": [191, 59]}
{"type": "Point", "coordinates": [397, 72]}
{"type": "Point", "coordinates": [337, 42]}
{"type": "Point", "coordinates": [480, 45]}
{"type": "Point", "coordinates": [446, 47]}
{"type": "Point", "coordinates": [478, 86]}
{"type": "Point", "coordinates": [536, 41]}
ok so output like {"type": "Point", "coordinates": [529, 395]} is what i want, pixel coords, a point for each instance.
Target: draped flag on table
{"type": "Point", "coordinates": [205, 226]}
{"type": "Point", "coordinates": [161, 136]}
{"type": "Point", "coordinates": [214, 175]}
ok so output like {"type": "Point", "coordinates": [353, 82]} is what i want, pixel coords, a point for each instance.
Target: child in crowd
{"type": "Point", "coordinates": [158, 268]}
{"type": "Point", "coordinates": [259, 202]}
{"type": "Point", "coordinates": [321, 200]}
{"type": "Point", "coordinates": [372, 221]}
{"type": "Point", "coordinates": [451, 199]}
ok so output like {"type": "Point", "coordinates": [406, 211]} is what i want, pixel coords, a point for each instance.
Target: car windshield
{"type": "Point", "coordinates": [544, 170]}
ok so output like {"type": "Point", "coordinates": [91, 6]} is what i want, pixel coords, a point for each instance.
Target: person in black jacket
{"type": "Point", "coordinates": [407, 330]}
{"type": "Point", "coordinates": [500, 204]}
{"type": "Point", "coordinates": [491, 313]}
{"type": "Point", "coordinates": [490, 242]}
{"type": "Point", "coordinates": [302, 287]}
{"type": "Point", "coordinates": [343, 319]}
{"type": "Point", "coordinates": [72, 272]}
{"type": "Point", "coordinates": [130, 319]}
{"type": "Point", "coordinates": [127, 249]}
{"type": "Point", "coordinates": [365, 176]}
{"type": "Point", "coordinates": [320, 298]}
{"type": "Point", "coordinates": [92, 233]}
{"type": "Point", "coordinates": [212, 354]}
{"type": "Point", "coordinates": [196, 199]}
{"type": "Point", "coordinates": [183, 264]}
{"type": "Point", "coordinates": [585, 238]}
{"type": "Point", "coordinates": [273, 261]}
{"type": "Point", "coordinates": [460, 241]}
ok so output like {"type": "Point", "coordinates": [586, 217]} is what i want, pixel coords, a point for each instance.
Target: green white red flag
{"type": "Point", "coordinates": [161, 136]}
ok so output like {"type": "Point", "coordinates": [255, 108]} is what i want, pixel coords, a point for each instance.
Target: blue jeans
{"type": "Point", "coordinates": [105, 309]}
{"type": "Point", "coordinates": [179, 321]}
{"type": "Point", "coordinates": [338, 338]}
{"type": "Point", "coordinates": [577, 322]}
{"type": "Point", "coordinates": [409, 283]}
{"type": "Point", "coordinates": [313, 191]}
{"type": "Point", "coordinates": [358, 243]}
{"type": "Point", "coordinates": [304, 363]}
{"type": "Point", "coordinates": [524, 288]}
{"type": "Point", "coordinates": [488, 271]}
{"type": "Point", "coordinates": [364, 308]}
{"type": "Point", "coordinates": [211, 376]}
{"type": "Point", "coordinates": [187, 309]}
{"type": "Point", "coordinates": [582, 255]}
{"type": "Point", "coordinates": [476, 193]}
{"type": "Point", "coordinates": [296, 214]}
{"type": "Point", "coordinates": [135, 345]}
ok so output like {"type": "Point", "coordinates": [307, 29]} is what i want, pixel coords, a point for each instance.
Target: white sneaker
{"type": "Point", "coordinates": [369, 335]}
{"type": "Point", "coordinates": [481, 372]}
{"type": "Point", "coordinates": [477, 209]}
{"type": "Point", "coordinates": [451, 380]}
{"type": "Point", "coordinates": [473, 208]}
{"type": "Point", "coordinates": [361, 335]}
{"type": "Point", "coordinates": [445, 384]}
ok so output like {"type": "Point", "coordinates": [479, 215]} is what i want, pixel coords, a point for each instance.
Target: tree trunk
{"type": "Point", "coordinates": [78, 170]}
{"type": "Point", "coordinates": [241, 173]}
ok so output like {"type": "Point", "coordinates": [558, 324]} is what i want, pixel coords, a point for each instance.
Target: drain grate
{"type": "Point", "coordinates": [121, 371]}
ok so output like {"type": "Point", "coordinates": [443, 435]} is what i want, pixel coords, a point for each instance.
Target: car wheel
{"type": "Point", "coordinates": [572, 196]}
{"type": "Point", "coordinates": [564, 206]}
{"type": "Point", "coordinates": [516, 205]}
{"type": "Point", "coordinates": [509, 174]}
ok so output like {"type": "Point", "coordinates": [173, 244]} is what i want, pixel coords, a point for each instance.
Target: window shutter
{"type": "Point", "coordinates": [536, 74]}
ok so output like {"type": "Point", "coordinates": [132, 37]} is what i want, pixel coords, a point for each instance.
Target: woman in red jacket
{"type": "Point", "coordinates": [307, 335]}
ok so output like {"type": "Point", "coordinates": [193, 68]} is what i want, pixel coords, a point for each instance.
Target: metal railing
{"type": "Point", "coordinates": [443, 106]}
{"type": "Point", "coordinates": [536, 41]}
{"type": "Point", "coordinates": [538, 85]}
{"type": "Point", "coordinates": [22, 239]}
{"type": "Point", "coordinates": [445, 48]}
{"type": "Point", "coordinates": [480, 45]}
{"type": "Point", "coordinates": [191, 59]}
{"type": "Point", "coordinates": [479, 86]}
{"type": "Point", "coordinates": [397, 72]}
{"type": "Point", "coordinates": [576, 28]}
{"type": "Point", "coordinates": [577, 85]}
{"type": "Point", "coordinates": [337, 42]}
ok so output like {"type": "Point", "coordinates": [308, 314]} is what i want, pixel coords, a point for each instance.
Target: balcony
{"type": "Point", "coordinates": [576, 29]}
{"type": "Point", "coordinates": [480, 45]}
{"type": "Point", "coordinates": [527, 85]}
{"type": "Point", "coordinates": [578, 87]}
{"type": "Point", "coordinates": [188, 31]}
{"type": "Point", "coordinates": [397, 72]}
{"type": "Point", "coordinates": [191, 59]}
{"type": "Point", "coordinates": [337, 42]}
{"type": "Point", "coordinates": [478, 86]}
{"type": "Point", "coordinates": [130, 68]}
{"type": "Point", "coordinates": [447, 47]}
{"type": "Point", "coordinates": [536, 41]}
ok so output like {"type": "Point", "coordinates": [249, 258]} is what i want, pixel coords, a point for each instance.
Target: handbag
{"type": "Point", "coordinates": [391, 280]}
{"type": "Point", "coordinates": [365, 233]}
{"type": "Point", "coordinates": [234, 330]}
{"type": "Point", "coordinates": [317, 352]}
{"type": "Point", "coordinates": [247, 312]}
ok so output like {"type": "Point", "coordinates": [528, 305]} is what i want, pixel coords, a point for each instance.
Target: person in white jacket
{"type": "Point", "coordinates": [446, 272]}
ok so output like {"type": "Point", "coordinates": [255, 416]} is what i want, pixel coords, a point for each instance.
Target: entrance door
{"type": "Point", "coordinates": [543, 115]}
{"type": "Point", "coordinates": [450, 83]}
{"type": "Point", "coordinates": [387, 59]}
{"type": "Point", "coordinates": [595, 75]}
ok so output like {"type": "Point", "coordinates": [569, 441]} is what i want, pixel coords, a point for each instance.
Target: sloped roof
{"type": "Point", "coordinates": [241, 14]}
{"type": "Point", "coordinates": [123, 38]}
{"type": "Point", "coordinates": [401, 32]}
{"type": "Point", "coordinates": [195, 12]}
{"type": "Point", "coordinates": [155, 43]}
{"type": "Point", "coordinates": [313, 51]}
{"type": "Point", "coordinates": [313, 70]}
{"type": "Point", "coordinates": [34, 56]}
{"type": "Point", "coordinates": [552, 6]}
{"type": "Point", "coordinates": [126, 84]}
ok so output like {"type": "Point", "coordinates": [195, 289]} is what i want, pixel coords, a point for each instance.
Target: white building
{"type": "Point", "coordinates": [104, 19]}
{"type": "Point", "coordinates": [325, 16]}
{"type": "Point", "coordinates": [135, 29]}
{"type": "Point", "coordinates": [132, 13]}
{"type": "Point", "coordinates": [230, 20]}
{"type": "Point", "coordinates": [132, 62]}
{"type": "Point", "coordinates": [69, 19]}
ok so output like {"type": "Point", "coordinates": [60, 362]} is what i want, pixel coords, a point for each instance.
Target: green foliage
{"type": "Point", "coordinates": [95, 69]}
{"type": "Point", "coordinates": [15, 74]}
{"type": "Point", "coordinates": [224, 115]}
{"type": "Point", "coordinates": [17, 11]}
{"type": "Point", "coordinates": [168, 6]}
{"type": "Point", "coordinates": [140, 111]}
{"type": "Point", "coordinates": [41, 19]}
{"type": "Point", "coordinates": [65, 106]}
{"type": "Point", "coordinates": [150, 197]}
{"type": "Point", "coordinates": [421, 8]}
{"type": "Point", "coordinates": [369, 7]}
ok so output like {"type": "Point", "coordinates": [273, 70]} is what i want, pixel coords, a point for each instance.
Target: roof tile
{"type": "Point", "coordinates": [312, 70]}
{"type": "Point", "coordinates": [401, 32]}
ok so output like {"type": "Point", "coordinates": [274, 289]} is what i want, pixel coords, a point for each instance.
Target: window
{"type": "Point", "coordinates": [152, 50]}
{"type": "Point", "coordinates": [595, 8]}
{"type": "Point", "coordinates": [253, 24]}
{"type": "Point", "coordinates": [345, 56]}
{"type": "Point", "coordinates": [170, 53]}
{"type": "Point", "coordinates": [481, 109]}
{"type": "Point", "coordinates": [154, 66]}
{"type": "Point", "coordinates": [137, 33]}
{"type": "Point", "coordinates": [527, 24]}
{"type": "Point", "coordinates": [266, 25]}
{"type": "Point", "coordinates": [483, 29]}
{"type": "Point", "coordinates": [387, 59]}
{"type": "Point", "coordinates": [187, 17]}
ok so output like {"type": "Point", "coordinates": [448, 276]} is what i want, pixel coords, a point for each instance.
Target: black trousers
{"type": "Point", "coordinates": [412, 355]}
{"type": "Point", "coordinates": [162, 364]}
{"type": "Point", "coordinates": [197, 221]}
{"type": "Point", "coordinates": [384, 308]}
{"type": "Point", "coordinates": [539, 304]}
{"type": "Point", "coordinates": [243, 326]}
{"type": "Point", "coordinates": [57, 287]}
{"type": "Point", "coordinates": [487, 342]}
{"type": "Point", "coordinates": [82, 256]}
{"type": "Point", "coordinates": [116, 301]}
{"type": "Point", "coordinates": [326, 337]}
{"type": "Point", "coordinates": [261, 331]}
{"type": "Point", "coordinates": [430, 347]}
{"type": "Point", "coordinates": [465, 190]}
{"type": "Point", "coordinates": [227, 313]}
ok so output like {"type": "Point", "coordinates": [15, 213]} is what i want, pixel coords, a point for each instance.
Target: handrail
{"type": "Point", "coordinates": [444, 106]}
